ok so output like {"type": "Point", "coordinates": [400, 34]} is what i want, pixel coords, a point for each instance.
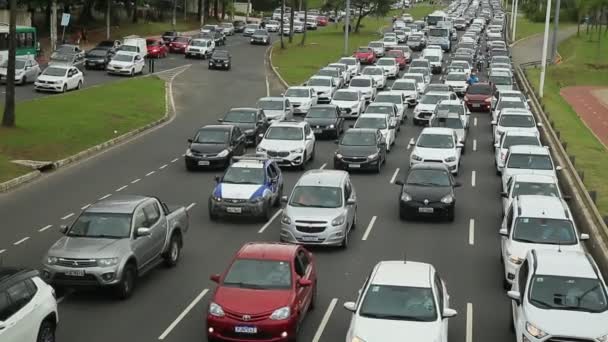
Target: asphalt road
{"type": "Point", "coordinates": [465, 252]}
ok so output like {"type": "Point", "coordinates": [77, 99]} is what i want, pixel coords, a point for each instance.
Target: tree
{"type": "Point", "coordinates": [293, 9]}
{"type": "Point", "coordinates": [8, 119]}
{"type": "Point", "coordinates": [282, 23]}
{"type": "Point", "coordinates": [367, 7]}
{"type": "Point", "coordinates": [305, 21]}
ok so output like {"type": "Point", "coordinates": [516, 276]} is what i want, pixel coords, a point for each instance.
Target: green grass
{"type": "Point", "coordinates": [526, 28]}
{"type": "Point", "coordinates": [153, 28]}
{"type": "Point", "coordinates": [582, 65]}
{"type": "Point", "coordinates": [55, 127]}
{"type": "Point", "coordinates": [326, 45]}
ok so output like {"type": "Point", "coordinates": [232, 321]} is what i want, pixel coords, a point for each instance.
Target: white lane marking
{"type": "Point", "coordinates": [270, 221]}
{"type": "Point", "coordinates": [474, 145]}
{"type": "Point", "coordinates": [174, 160]}
{"type": "Point", "coordinates": [2, 251]}
{"type": "Point", "coordinates": [191, 206]}
{"type": "Point", "coordinates": [121, 188]}
{"type": "Point", "coordinates": [323, 166]}
{"type": "Point", "coordinates": [267, 85]}
{"type": "Point", "coordinates": [369, 228]}
{"type": "Point", "coordinates": [183, 314]}
{"type": "Point", "coordinates": [60, 299]}
{"type": "Point", "coordinates": [162, 167]}
{"type": "Point", "coordinates": [67, 216]}
{"type": "Point", "coordinates": [85, 206]}
{"type": "Point", "coordinates": [45, 228]}
{"type": "Point", "coordinates": [183, 155]}
{"type": "Point", "coordinates": [135, 180]}
{"type": "Point", "coordinates": [473, 174]}
{"type": "Point", "coordinates": [17, 243]}
{"type": "Point", "coordinates": [325, 319]}
{"type": "Point", "coordinates": [475, 122]}
{"type": "Point", "coordinates": [150, 173]}
{"type": "Point", "coordinates": [104, 197]}
{"type": "Point", "coordinates": [471, 232]}
{"type": "Point", "coordinates": [394, 176]}
{"type": "Point", "coordinates": [469, 331]}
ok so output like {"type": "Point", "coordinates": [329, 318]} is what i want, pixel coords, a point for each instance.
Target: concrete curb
{"type": "Point", "coordinates": [15, 182]}
{"type": "Point", "coordinates": [274, 69]}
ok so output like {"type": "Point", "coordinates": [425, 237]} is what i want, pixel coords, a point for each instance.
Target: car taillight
{"type": "Point", "coordinates": [502, 155]}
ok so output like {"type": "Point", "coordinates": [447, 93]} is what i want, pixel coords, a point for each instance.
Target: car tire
{"type": "Point", "coordinates": [124, 289]}
{"type": "Point", "coordinates": [79, 86]}
{"type": "Point", "coordinates": [313, 300]}
{"type": "Point", "coordinates": [312, 155]}
{"type": "Point", "coordinates": [267, 215]}
{"type": "Point", "coordinates": [303, 165]}
{"type": "Point", "coordinates": [46, 332]}
{"type": "Point", "coordinates": [354, 225]}
{"type": "Point", "coordinates": [65, 88]}
{"type": "Point", "coordinates": [171, 258]}
{"type": "Point", "coordinates": [132, 73]}
{"type": "Point", "coordinates": [451, 214]}
{"type": "Point", "coordinates": [505, 284]}
{"type": "Point", "coordinates": [344, 244]}
{"type": "Point", "coordinates": [277, 202]}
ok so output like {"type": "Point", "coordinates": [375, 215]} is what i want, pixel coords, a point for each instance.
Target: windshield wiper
{"type": "Point", "coordinates": [103, 236]}
{"type": "Point", "coordinates": [541, 303]}
{"type": "Point", "coordinates": [244, 285]}
{"type": "Point", "coordinates": [389, 316]}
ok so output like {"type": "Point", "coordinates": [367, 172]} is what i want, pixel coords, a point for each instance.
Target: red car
{"type": "Point", "coordinates": [179, 44]}
{"type": "Point", "coordinates": [156, 48]}
{"type": "Point", "coordinates": [365, 55]}
{"type": "Point", "coordinates": [322, 21]}
{"type": "Point", "coordinates": [399, 56]}
{"type": "Point", "coordinates": [264, 295]}
{"type": "Point", "coordinates": [478, 96]}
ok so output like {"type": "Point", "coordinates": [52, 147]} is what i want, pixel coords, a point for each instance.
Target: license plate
{"type": "Point", "coordinates": [318, 130]}
{"type": "Point", "coordinates": [234, 210]}
{"type": "Point", "coordinates": [75, 273]}
{"type": "Point", "coordinates": [246, 330]}
{"type": "Point", "coordinates": [476, 105]}
{"type": "Point", "coordinates": [309, 238]}
{"type": "Point", "coordinates": [203, 163]}
{"type": "Point", "coordinates": [354, 166]}
{"type": "Point", "coordinates": [426, 210]}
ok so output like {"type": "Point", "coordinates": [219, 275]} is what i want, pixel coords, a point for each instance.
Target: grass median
{"type": "Point", "coordinates": [57, 126]}
{"type": "Point", "coordinates": [583, 64]}
{"type": "Point", "coordinates": [526, 28]}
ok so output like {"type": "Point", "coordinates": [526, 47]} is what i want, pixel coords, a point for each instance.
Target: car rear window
{"type": "Point", "coordinates": [480, 89]}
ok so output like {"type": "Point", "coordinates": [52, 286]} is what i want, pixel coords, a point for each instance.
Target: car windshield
{"type": "Point", "coordinates": [456, 77]}
{"type": "Point", "coordinates": [297, 93]}
{"type": "Point", "coordinates": [97, 53]}
{"type": "Point", "coordinates": [227, 25]}
{"type": "Point", "coordinates": [376, 45]}
{"type": "Point", "coordinates": [169, 33]}
{"type": "Point", "coordinates": [129, 48]}
{"type": "Point", "coordinates": [428, 177]}
{"type": "Point", "coordinates": [399, 303]}
{"type": "Point", "coordinates": [259, 274]}
{"type": "Point", "coordinates": [501, 59]}
{"type": "Point", "coordinates": [321, 113]}
{"type": "Point", "coordinates": [568, 293]}
{"type": "Point", "coordinates": [53, 71]}
{"type": "Point", "coordinates": [348, 61]}
{"type": "Point", "coordinates": [414, 38]}
{"type": "Point", "coordinates": [513, 140]}
{"type": "Point", "coordinates": [428, 140]}
{"type": "Point", "coordinates": [252, 26]}
{"type": "Point", "coordinates": [284, 133]}
{"type": "Point", "coordinates": [389, 40]}
{"type": "Point", "coordinates": [328, 72]}
{"type": "Point", "coordinates": [244, 175]}
{"type": "Point", "coordinates": [198, 43]}
{"type": "Point", "coordinates": [394, 54]}
{"type": "Point", "coordinates": [367, 122]}
{"type": "Point", "coordinates": [122, 58]}
{"type": "Point", "coordinates": [181, 39]}
{"type": "Point", "coordinates": [404, 86]}
{"type": "Point", "coordinates": [65, 49]}
{"type": "Point", "coordinates": [363, 50]}
{"type": "Point", "coordinates": [316, 197]}
{"type": "Point", "coordinates": [346, 96]}
{"type": "Point", "coordinates": [360, 82]}
{"type": "Point", "coordinates": [479, 89]}
{"type": "Point", "coordinates": [454, 123]}
{"type": "Point", "coordinates": [396, 99]}
{"type": "Point", "coordinates": [101, 225]}
{"type": "Point", "coordinates": [450, 108]}
{"type": "Point", "coordinates": [260, 33]}
{"type": "Point", "coordinates": [220, 54]}
{"type": "Point", "coordinates": [212, 136]}
{"type": "Point", "coordinates": [501, 80]}
{"type": "Point", "coordinates": [358, 139]}
{"type": "Point", "coordinates": [544, 231]}
{"type": "Point", "coordinates": [386, 62]}
{"type": "Point", "coordinates": [432, 58]}
{"type": "Point", "coordinates": [319, 82]}
{"type": "Point", "coordinates": [373, 71]}
{"type": "Point", "coordinates": [433, 99]}
{"type": "Point", "coordinates": [530, 161]}
{"type": "Point", "coordinates": [531, 188]}
{"type": "Point", "coordinates": [419, 70]}
{"type": "Point", "coordinates": [525, 121]}
{"type": "Point", "coordinates": [373, 108]}
{"type": "Point", "coordinates": [271, 104]}
{"type": "Point", "coordinates": [419, 63]}
{"type": "Point", "coordinates": [209, 27]}
{"type": "Point", "coordinates": [511, 104]}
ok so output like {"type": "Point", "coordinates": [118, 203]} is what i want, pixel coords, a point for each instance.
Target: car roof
{"type": "Point", "coordinates": [542, 207]}
{"type": "Point", "coordinates": [564, 263]}
{"type": "Point", "coordinates": [391, 92]}
{"type": "Point", "coordinates": [253, 109]}
{"type": "Point", "coordinates": [532, 178]}
{"type": "Point", "coordinates": [400, 273]}
{"type": "Point", "coordinates": [406, 80]}
{"type": "Point", "coordinates": [451, 102]}
{"type": "Point", "coordinates": [518, 132]}
{"type": "Point", "coordinates": [516, 111]}
{"type": "Point", "coordinates": [373, 115]}
{"type": "Point", "coordinates": [272, 98]}
{"type": "Point", "coordinates": [510, 99]}
{"type": "Point", "coordinates": [528, 149]}
{"type": "Point", "coordinates": [288, 123]}
{"type": "Point", "coordinates": [298, 87]}
{"type": "Point", "coordinates": [217, 127]}
{"type": "Point", "coordinates": [498, 72]}
{"type": "Point", "coordinates": [362, 130]}
{"type": "Point", "coordinates": [429, 166]}
{"type": "Point", "coordinates": [123, 204]}
{"type": "Point", "coordinates": [322, 77]}
{"type": "Point", "coordinates": [378, 104]}
{"type": "Point", "coordinates": [128, 53]}
{"type": "Point", "coordinates": [437, 130]}
{"type": "Point", "coordinates": [322, 178]}
{"type": "Point", "coordinates": [348, 90]}
{"type": "Point", "coordinates": [437, 92]}
{"type": "Point", "coordinates": [9, 275]}
{"type": "Point", "coordinates": [267, 251]}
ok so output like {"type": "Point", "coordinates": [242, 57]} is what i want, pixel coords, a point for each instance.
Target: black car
{"type": "Point", "coordinates": [260, 37]}
{"type": "Point", "coordinates": [214, 146]}
{"type": "Point", "coordinates": [220, 59]}
{"type": "Point", "coordinates": [428, 190]}
{"type": "Point", "coordinates": [97, 58]}
{"type": "Point", "coordinates": [251, 121]}
{"type": "Point", "coordinates": [239, 26]}
{"type": "Point", "coordinates": [108, 45]}
{"type": "Point", "coordinates": [168, 36]}
{"type": "Point", "coordinates": [218, 37]}
{"type": "Point", "coordinates": [325, 120]}
{"type": "Point", "coordinates": [360, 148]}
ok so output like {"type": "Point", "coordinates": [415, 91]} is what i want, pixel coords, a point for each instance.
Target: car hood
{"type": "Point", "coordinates": [520, 249]}
{"type": "Point", "coordinates": [458, 84]}
{"type": "Point", "coordinates": [593, 324]}
{"type": "Point", "coordinates": [377, 78]}
{"type": "Point", "coordinates": [259, 36]}
{"type": "Point", "coordinates": [321, 89]}
{"type": "Point", "coordinates": [121, 63]}
{"type": "Point", "coordinates": [207, 148]}
{"type": "Point", "coordinates": [357, 151]}
{"type": "Point", "coordinates": [312, 214]}
{"type": "Point", "coordinates": [242, 125]}
{"type": "Point", "coordinates": [389, 67]}
{"type": "Point", "coordinates": [508, 173]}
{"type": "Point", "coordinates": [431, 193]}
{"type": "Point", "coordinates": [251, 301]}
{"type": "Point", "coordinates": [84, 248]}
{"type": "Point", "coordinates": [422, 107]}
{"type": "Point", "coordinates": [320, 121]}
{"type": "Point", "coordinates": [274, 113]}
{"type": "Point", "coordinates": [363, 54]}
{"type": "Point", "coordinates": [433, 153]}
{"type": "Point", "coordinates": [500, 87]}
{"type": "Point", "coordinates": [281, 145]}
{"type": "Point", "coordinates": [344, 104]}
{"type": "Point", "coordinates": [477, 97]}
{"type": "Point", "coordinates": [408, 93]}
{"type": "Point", "coordinates": [237, 191]}
{"type": "Point", "coordinates": [50, 78]}
{"type": "Point", "coordinates": [300, 100]}
{"type": "Point", "coordinates": [385, 330]}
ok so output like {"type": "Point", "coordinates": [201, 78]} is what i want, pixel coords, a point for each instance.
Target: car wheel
{"type": "Point", "coordinates": [46, 332]}
{"type": "Point", "coordinates": [312, 155]}
{"type": "Point", "coordinates": [79, 85]}
{"type": "Point", "coordinates": [132, 73]}
{"type": "Point", "coordinates": [451, 214]}
{"type": "Point", "coordinates": [354, 225]}
{"type": "Point", "coordinates": [174, 252]}
{"type": "Point", "coordinates": [403, 215]}
{"type": "Point", "coordinates": [267, 212]}
{"type": "Point", "coordinates": [344, 244]}
{"type": "Point", "coordinates": [277, 202]}
{"type": "Point", "coordinates": [65, 88]}
{"type": "Point", "coordinates": [127, 282]}
{"type": "Point", "coordinates": [303, 165]}
{"type": "Point", "coordinates": [212, 216]}
{"type": "Point", "coordinates": [505, 284]}
{"type": "Point", "coordinates": [313, 300]}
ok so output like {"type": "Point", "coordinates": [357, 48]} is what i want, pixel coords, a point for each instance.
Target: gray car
{"type": "Point", "coordinates": [26, 70]}
{"type": "Point", "coordinates": [276, 108]}
{"type": "Point", "coordinates": [114, 241]}
{"type": "Point", "coordinates": [321, 210]}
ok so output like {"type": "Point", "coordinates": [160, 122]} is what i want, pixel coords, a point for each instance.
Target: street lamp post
{"type": "Point", "coordinates": [544, 56]}
{"type": "Point", "coordinates": [346, 27]}
{"type": "Point", "coordinates": [515, 20]}
{"type": "Point", "coordinates": [555, 28]}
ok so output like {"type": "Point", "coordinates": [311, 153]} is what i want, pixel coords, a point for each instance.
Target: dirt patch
{"type": "Point", "coordinates": [591, 105]}
{"type": "Point", "coordinates": [602, 96]}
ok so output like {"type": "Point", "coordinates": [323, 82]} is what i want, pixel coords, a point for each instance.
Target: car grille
{"type": "Point", "coordinates": [46, 82]}
{"type": "Point", "coordinates": [88, 279]}
{"type": "Point", "coordinates": [308, 229]}
{"type": "Point", "coordinates": [193, 49]}
{"type": "Point", "coordinates": [234, 200]}
{"type": "Point", "coordinates": [296, 105]}
{"type": "Point", "coordinates": [277, 153]}
{"type": "Point", "coordinates": [251, 318]}
{"type": "Point", "coordinates": [319, 127]}
{"type": "Point", "coordinates": [433, 161]}
{"type": "Point", "coordinates": [354, 159]}
{"type": "Point", "coordinates": [204, 155]}
{"type": "Point", "coordinates": [425, 114]}
{"type": "Point", "coordinates": [76, 262]}
{"type": "Point", "coordinates": [245, 336]}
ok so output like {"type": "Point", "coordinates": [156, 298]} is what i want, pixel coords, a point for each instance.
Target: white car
{"type": "Point", "coordinates": [426, 106]}
{"type": "Point", "coordinates": [366, 85]}
{"type": "Point", "coordinates": [401, 297]}
{"type": "Point", "coordinates": [511, 93]}
{"type": "Point", "coordinates": [519, 119]}
{"type": "Point", "coordinates": [401, 36]}
{"type": "Point", "coordinates": [273, 26]}
{"type": "Point", "coordinates": [344, 71]}
{"type": "Point", "coordinates": [26, 70]}
{"type": "Point", "coordinates": [354, 66]}
{"type": "Point", "coordinates": [390, 43]}
{"type": "Point", "coordinates": [201, 48]}
{"type": "Point", "coordinates": [350, 101]}
{"type": "Point", "coordinates": [535, 222]}
{"type": "Point", "coordinates": [439, 145]}
{"type": "Point", "coordinates": [458, 82]}
{"type": "Point", "coordinates": [526, 159]}
{"type": "Point", "coordinates": [324, 86]}
{"type": "Point", "coordinates": [301, 98]}
{"type": "Point", "coordinates": [276, 108]}
{"type": "Point", "coordinates": [512, 138]}
{"type": "Point", "coordinates": [389, 108]}
{"type": "Point", "coordinates": [378, 74]}
{"type": "Point", "coordinates": [525, 184]}
{"type": "Point", "coordinates": [418, 78]}
{"type": "Point", "coordinates": [409, 89]}
{"type": "Point", "coordinates": [336, 73]}
{"type": "Point", "coordinates": [59, 78]}
{"type": "Point", "coordinates": [378, 47]}
{"type": "Point", "coordinates": [126, 63]}
{"type": "Point", "coordinates": [421, 70]}
{"type": "Point", "coordinates": [382, 122]}
{"type": "Point", "coordinates": [289, 143]}
{"type": "Point", "coordinates": [503, 80]}
{"type": "Point", "coordinates": [435, 58]}
{"type": "Point", "coordinates": [389, 65]}
{"type": "Point", "coordinates": [451, 110]}
{"type": "Point", "coordinates": [464, 65]}
{"type": "Point", "coordinates": [398, 99]}
{"type": "Point", "coordinates": [505, 102]}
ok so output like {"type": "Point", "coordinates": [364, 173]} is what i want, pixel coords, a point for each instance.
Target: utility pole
{"type": "Point", "coordinates": [8, 119]}
{"type": "Point", "coordinates": [53, 20]}
{"type": "Point", "coordinates": [555, 28]}
{"type": "Point", "coordinates": [346, 27]}
{"type": "Point", "coordinates": [544, 57]}
{"type": "Point", "coordinates": [515, 20]}
{"type": "Point", "coordinates": [512, 13]}
{"type": "Point", "coordinates": [108, 14]}
{"type": "Point", "coordinates": [185, 10]}
{"type": "Point", "coordinates": [174, 14]}
{"type": "Point", "coordinates": [247, 11]}
{"type": "Point", "coordinates": [282, 23]}
{"type": "Point", "coordinates": [202, 3]}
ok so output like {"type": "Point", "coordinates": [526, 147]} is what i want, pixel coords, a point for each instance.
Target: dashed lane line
{"type": "Point", "coordinates": [190, 206]}
{"type": "Point", "coordinates": [45, 228]}
{"type": "Point", "coordinates": [135, 180]}
{"type": "Point", "coordinates": [469, 327]}
{"type": "Point", "coordinates": [270, 221]}
{"type": "Point", "coordinates": [67, 216]}
{"type": "Point", "coordinates": [183, 314]}
{"type": "Point", "coordinates": [121, 188]}
{"type": "Point", "coordinates": [162, 167]}
{"type": "Point", "coordinates": [369, 228]}
{"type": "Point", "coordinates": [474, 145]}
{"type": "Point", "coordinates": [85, 206]}
{"type": "Point", "coordinates": [471, 232]}
{"type": "Point", "coordinates": [473, 176]}
{"type": "Point", "coordinates": [323, 166]}
{"type": "Point", "coordinates": [325, 319]}
{"type": "Point", "coordinates": [150, 173]}
{"type": "Point", "coordinates": [104, 197]}
{"type": "Point", "coordinates": [174, 160]}
{"type": "Point", "coordinates": [475, 122]}
{"type": "Point", "coordinates": [394, 176]}
{"type": "Point", "coordinates": [17, 243]}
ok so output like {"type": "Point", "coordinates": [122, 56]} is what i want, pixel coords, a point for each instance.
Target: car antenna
{"type": "Point", "coordinates": [404, 257]}
{"type": "Point", "coordinates": [559, 245]}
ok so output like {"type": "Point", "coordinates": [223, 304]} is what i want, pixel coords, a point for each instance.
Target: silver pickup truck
{"type": "Point", "coordinates": [115, 241]}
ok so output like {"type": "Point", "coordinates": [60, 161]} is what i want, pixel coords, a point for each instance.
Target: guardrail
{"type": "Point", "coordinates": [586, 215]}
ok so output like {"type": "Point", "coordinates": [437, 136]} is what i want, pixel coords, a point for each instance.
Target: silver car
{"type": "Point", "coordinates": [26, 70]}
{"type": "Point", "coordinates": [321, 210]}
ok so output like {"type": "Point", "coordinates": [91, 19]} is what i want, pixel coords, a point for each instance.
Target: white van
{"type": "Point", "coordinates": [135, 44]}
{"type": "Point", "coordinates": [435, 58]}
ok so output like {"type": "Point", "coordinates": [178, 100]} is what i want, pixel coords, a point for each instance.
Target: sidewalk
{"type": "Point", "coordinates": [531, 49]}
{"type": "Point", "coordinates": [591, 105]}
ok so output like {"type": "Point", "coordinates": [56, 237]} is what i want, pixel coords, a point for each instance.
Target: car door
{"type": "Point", "coordinates": [139, 64]}
{"type": "Point", "coordinates": [309, 139]}
{"type": "Point", "coordinates": [506, 224]}
{"type": "Point", "coordinates": [520, 284]}
{"type": "Point", "coordinates": [142, 245]}
{"type": "Point", "coordinates": [30, 71]}
{"type": "Point", "coordinates": [351, 209]}
{"type": "Point", "coordinates": [158, 227]}
{"type": "Point", "coordinates": [273, 183]}
{"type": "Point", "coordinates": [304, 294]}
{"type": "Point", "coordinates": [22, 310]}
{"type": "Point", "coordinates": [442, 303]}
{"type": "Point", "coordinates": [8, 320]}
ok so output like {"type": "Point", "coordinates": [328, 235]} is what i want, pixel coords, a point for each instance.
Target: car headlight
{"type": "Point", "coordinates": [416, 110]}
{"type": "Point", "coordinates": [51, 260]}
{"type": "Point", "coordinates": [107, 262]}
{"type": "Point", "coordinates": [415, 157]}
{"type": "Point", "coordinates": [297, 150]}
{"type": "Point", "coordinates": [372, 156]}
{"type": "Point", "coordinates": [447, 199]}
{"type": "Point", "coordinates": [603, 338]}
{"type": "Point", "coordinates": [249, 131]}
{"type": "Point", "coordinates": [405, 197]}
{"type": "Point", "coordinates": [188, 153]}
{"type": "Point", "coordinates": [339, 156]}
{"type": "Point", "coordinates": [216, 310]}
{"type": "Point", "coordinates": [260, 149]}
{"type": "Point", "coordinates": [256, 199]}
{"type": "Point", "coordinates": [515, 259]}
{"type": "Point", "coordinates": [252, 40]}
{"type": "Point", "coordinates": [216, 198]}
{"type": "Point", "coordinates": [450, 159]}
{"type": "Point", "coordinates": [332, 126]}
{"type": "Point", "coordinates": [534, 331]}
{"type": "Point", "coordinates": [280, 314]}
{"type": "Point", "coordinates": [285, 219]}
{"type": "Point", "coordinates": [223, 153]}
{"type": "Point", "coordinates": [338, 220]}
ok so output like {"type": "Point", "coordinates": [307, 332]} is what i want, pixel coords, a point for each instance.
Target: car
{"type": "Point", "coordinates": [126, 63]}
{"type": "Point", "coordinates": [298, 27]}
{"type": "Point", "coordinates": [179, 44]}
{"type": "Point", "coordinates": [26, 70]}
{"type": "Point", "coordinates": [250, 187]}
{"type": "Point", "coordinates": [227, 28]}
{"type": "Point", "coordinates": [427, 104]}
{"type": "Point", "coordinates": [273, 26]}
{"type": "Point", "coordinates": [209, 28]}
{"type": "Point", "coordinates": [345, 74]}
{"type": "Point", "coordinates": [398, 56]}
{"type": "Point", "coordinates": [389, 65]}
{"type": "Point", "coordinates": [528, 159]}
{"type": "Point", "coordinates": [322, 21]}
{"type": "Point", "coordinates": [200, 48]}
{"type": "Point", "coordinates": [512, 138]}
{"type": "Point", "coordinates": [438, 87]}
{"type": "Point", "coordinates": [324, 86]}
{"type": "Point", "coordinates": [66, 58]}
{"type": "Point", "coordinates": [335, 73]}
{"type": "Point", "coordinates": [389, 43]}
{"type": "Point", "coordinates": [421, 84]}
{"type": "Point", "coordinates": [143, 232]}
{"type": "Point", "coordinates": [325, 120]}
{"type": "Point", "coordinates": [398, 99]}
{"type": "Point", "coordinates": [353, 65]}
{"type": "Point", "coordinates": [401, 35]}
{"type": "Point", "coordinates": [426, 72]}
{"type": "Point", "coordinates": [416, 41]}
{"type": "Point", "coordinates": [502, 80]}
{"type": "Point", "coordinates": [251, 121]}
{"type": "Point", "coordinates": [59, 79]}
{"type": "Point", "coordinates": [530, 184]}
{"type": "Point", "coordinates": [511, 93]}
{"type": "Point", "coordinates": [69, 49]}
{"type": "Point", "coordinates": [271, 285]}
{"type": "Point", "coordinates": [408, 88]}
{"type": "Point", "coordinates": [134, 43]}
{"type": "Point", "coordinates": [421, 63]}
{"type": "Point", "coordinates": [428, 190]}
{"type": "Point", "coordinates": [364, 84]}
{"type": "Point", "coordinates": [168, 36]}
{"type": "Point", "coordinates": [276, 108]}
{"type": "Point", "coordinates": [220, 59]}
{"type": "Point", "coordinates": [389, 108]}
{"type": "Point", "coordinates": [378, 74]}
{"type": "Point", "coordinates": [514, 119]}
{"type": "Point", "coordinates": [435, 58]}
{"type": "Point", "coordinates": [407, 52]}
{"type": "Point", "coordinates": [437, 145]}
{"type": "Point", "coordinates": [505, 102]}
{"type": "Point", "coordinates": [301, 98]}
{"type": "Point", "coordinates": [250, 29]}
{"type": "Point", "coordinates": [381, 122]}
{"type": "Point", "coordinates": [214, 146]}
{"type": "Point", "coordinates": [109, 45]}
{"type": "Point", "coordinates": [458, 82]}
{"type": "Point", "coordinates": [478, 96]}
{"type": "Point", "coordinates": [289, 143]}
{"type": "Point", "coordinates": [260, 36]}
{"type": "Point", "coordinates": [360, 149]}
{"type": "Point", "coordinates": [239, 26]}
{"type": "Point", "coordinates": [156, 48]}
{"type": "Point", "coordinates": [217, 36]}
{"type": "Point", "coordinates": [378, 48]}
{"type": "Point", "coordinates": [97, 58]}
{"type": "Point", "coordinates": [535, 222]}
{"type": "Point", "coordinates": [455, 121]}
{"type": "Point", "coordinates": [321, 210]}
{"type": "Point", "coordinates": [350, 102]}
{"type": "Point", "coordinates": [398, 296]}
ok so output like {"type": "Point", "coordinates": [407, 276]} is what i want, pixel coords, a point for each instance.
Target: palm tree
{"type": "Point", "coordinates": [305, 21]}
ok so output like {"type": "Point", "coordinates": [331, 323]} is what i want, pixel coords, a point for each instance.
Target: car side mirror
{"type": "Point", "coordinates": [351, 201]}
{"type": "Point", "coordinates": [459, 145]}
{"type": "Point", "coordinates": [584, 237]}
{"type": "Point", "coordinates": [220, 120]}
{"type": "Point", "coordinates": [558, 168]}
{"type": "Point", "coordinates": [350, 306]}
{"type": "Point", "coordinates": [457, 185]}
{"type": "Point", "coordinates": [496, 145]}
{"type": "Point", "coordinates": [504, 194]}
{"type": "Point", "coordinates": [392, 126]}
{"type": "Point", "coordinates": [215, 278]}
{"type": "Point", "coordinates": [63, 228]}
{"type": "Point", "coordinates": [190, 141]}
{"type": "Point", "coordinates": [261, 135]}
{"type": "Point", "coordinates": [503, 232]}
{"type": "Point", "coordinates": [399, 182]}
{"type": "Point", "coordinates": [143, 231]}
{"type": "Point", "coordinates": [515, 295]}
{"type": "Point", "coordinates": [449, 313]}
{"type": "Point", "coordinates": [529, 101]}
{"type": "Point", "coordinates": [218, 179]}
{"type": "Point", "coordinates": [493, 123]}
{"type": "Point", "coordinates": [303, 282]}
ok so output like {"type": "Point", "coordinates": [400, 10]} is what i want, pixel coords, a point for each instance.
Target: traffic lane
{"type": "Point", "coordinates": [64, 192]}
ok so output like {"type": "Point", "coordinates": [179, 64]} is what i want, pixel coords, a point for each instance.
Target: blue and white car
{"type": "Point", "coordinates": [251, 186]}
